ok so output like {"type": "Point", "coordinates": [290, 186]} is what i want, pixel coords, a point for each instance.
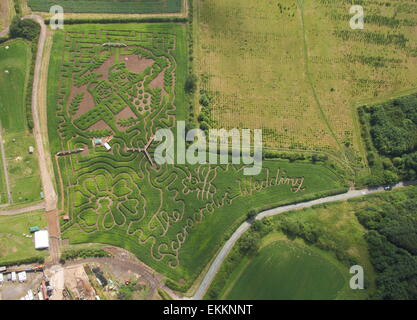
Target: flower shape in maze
{"type": "Point", "coordinates": [102, 202]}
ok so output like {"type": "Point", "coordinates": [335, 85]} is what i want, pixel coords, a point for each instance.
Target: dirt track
{"type": "Point", "coordinates": [47, 183]}
{"type": "Point", "coordinates": [34, 207]}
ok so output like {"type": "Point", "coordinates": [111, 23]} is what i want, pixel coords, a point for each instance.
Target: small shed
{"type": "Point", "coordinates": [1, 278]}
{"type": "Point", "coordinates": [21, 276]}
{"type": "Point", "coordinates": [31, 149]}
{"type": "Point", "coordinates": [14, 278]}
{"type": "Point", "coordinates": [107, 146]}
{"type": "Point", "coordinates": [41, 240]}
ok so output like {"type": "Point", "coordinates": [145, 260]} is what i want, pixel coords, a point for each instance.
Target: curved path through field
{"type": "Point", "coordinates": [227, 247]}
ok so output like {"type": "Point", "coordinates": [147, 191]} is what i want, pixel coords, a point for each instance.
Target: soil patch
{"type": "Point", "coordinates": [158, 82]}
{"type": "Point", "coordinates": [105, 67]}
{"type": "Point", "coordinates": [136, 64]}
{"type": "Point", "coordinates": [99, 125]}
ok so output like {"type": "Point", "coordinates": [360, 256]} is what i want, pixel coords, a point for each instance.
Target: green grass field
{"type": "Point", "coordinates": [23, 167]}
{"type": "Point", "coordinates": [288, 271]}
{"type": "Point", "coordinates": [14, 245]}
{"type": "Point", "coordinates": [15, 61]}
{"type": "Point", "coordinates": [109, 6]}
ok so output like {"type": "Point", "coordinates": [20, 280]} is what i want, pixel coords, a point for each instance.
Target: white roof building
{"type": "Point", "coordinates": [14, 276]}
{"type": "Point", "coordinates": [41, 240]}
{"type": "Point", "coordinates": [21, 276]}
{"type": "Point", "coordinates": [1, 278]}
{"type": "Point", "coordinates": [29, 296]}
{"type": "Point", "coordinates": [107, 146]}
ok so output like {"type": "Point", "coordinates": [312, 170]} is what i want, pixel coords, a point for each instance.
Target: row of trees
{"type": "Point", "coordinates": [390, 135]}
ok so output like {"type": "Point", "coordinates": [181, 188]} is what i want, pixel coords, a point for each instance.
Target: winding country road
{"type": "Point", "coordinates": [227, 247]}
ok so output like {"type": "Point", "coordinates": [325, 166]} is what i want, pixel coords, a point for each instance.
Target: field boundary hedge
{"type": "Point", "coordinates": [124, 21]}
{"type": "Point", "coordinates": [18, 262]}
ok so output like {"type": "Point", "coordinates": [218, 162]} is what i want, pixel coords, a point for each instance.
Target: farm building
{"type": "Point", "coordinates": [13, 278]}
{"type": "Point", "coordinates": [31, 149]}
{"type": "Point", "coordinates": [107, 146]}
{"type": "Point", "coordinates": [41, 239]}
{"type": "Point", "coordinates": [1, 278]}
{"type": "Point", "coordinates": [21, 276]}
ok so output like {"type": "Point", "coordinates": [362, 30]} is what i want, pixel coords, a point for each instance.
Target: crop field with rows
{"type": "Point", "coordinates": [297, 70]}
{"type": "Point", "coordinates": [122, 83]}
{"type": "Point", "coordinates": [109, 6]}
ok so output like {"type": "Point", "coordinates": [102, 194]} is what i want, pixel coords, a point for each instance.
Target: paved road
{"type": "Point", "coordinates": [48, 187]}
{"type": "Point", "coordinates": [227, 247]}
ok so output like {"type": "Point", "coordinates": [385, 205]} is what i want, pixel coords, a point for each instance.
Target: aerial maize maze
{"type": "Point", "coordinates": [121, 83]}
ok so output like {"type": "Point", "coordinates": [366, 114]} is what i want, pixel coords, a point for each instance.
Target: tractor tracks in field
{"type": "Point", "coordinates": [6, 173]}
{"type": "Point", "coordinates": [311, 82]}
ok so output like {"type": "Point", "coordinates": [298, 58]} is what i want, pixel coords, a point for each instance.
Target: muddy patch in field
{"type": "Point", "coordinates": [136, 64]}
{"type": "Point", "coordinates": [86, 104]}
{"type": "Point", "coordinates": [158, 82]}
{"type": "Point", "coordinates": [126, 113]}
{"type": "Point", "coordinates": [100, 125]}
{"type": "Point", "coordinates": [105, 67]}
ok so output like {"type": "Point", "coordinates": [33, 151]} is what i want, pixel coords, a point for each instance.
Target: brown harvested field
{"type": "Point", "coordinates": [136, 64]}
